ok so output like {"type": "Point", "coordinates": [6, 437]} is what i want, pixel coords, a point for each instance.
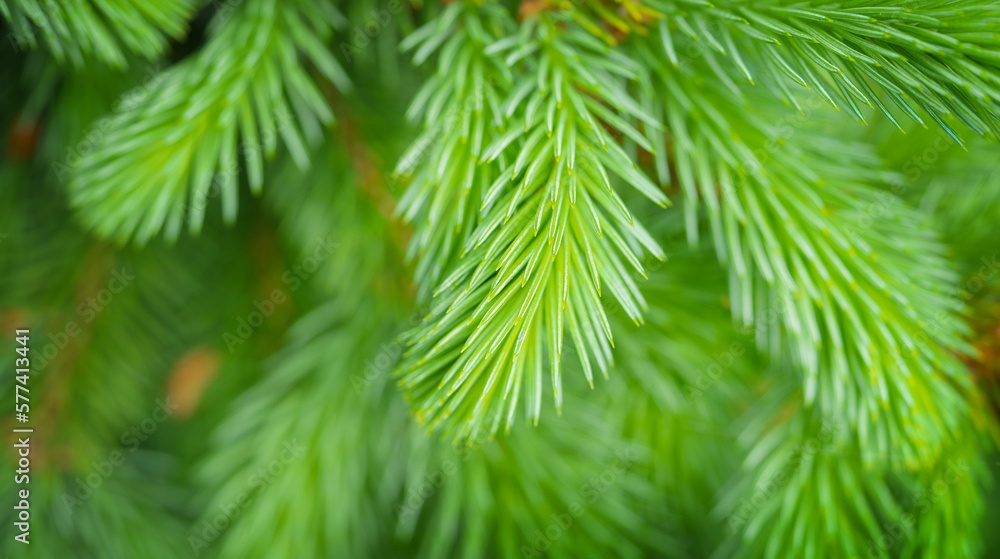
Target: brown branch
{"type": "Point", "coordinates": [367, 166]}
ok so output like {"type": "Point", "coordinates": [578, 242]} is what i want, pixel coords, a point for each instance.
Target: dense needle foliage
{"type": "Point", "coordinates": [588, 278]}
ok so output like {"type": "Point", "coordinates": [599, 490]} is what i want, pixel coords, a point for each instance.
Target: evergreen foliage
{"type": "Point", "coordinates": [508, 279]}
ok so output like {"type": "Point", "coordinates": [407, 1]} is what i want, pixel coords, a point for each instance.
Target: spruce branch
{"type": "Point", "coordinates": [461, 115]}
{"type": "Point", "coordinates": [792, 379]}
{"type": "Point", "coordinates": [941, 57]}
{"type": "Point", "coordinates": [156, 165]}
{"type": "Point", "coordinates": [73, 30]}
{"type": "Point", "coordinates": [498, 317]}
{"type": "Point", "coordinates": [866, 296]}
{"type": "Point", "coordinates": [805, 491]}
